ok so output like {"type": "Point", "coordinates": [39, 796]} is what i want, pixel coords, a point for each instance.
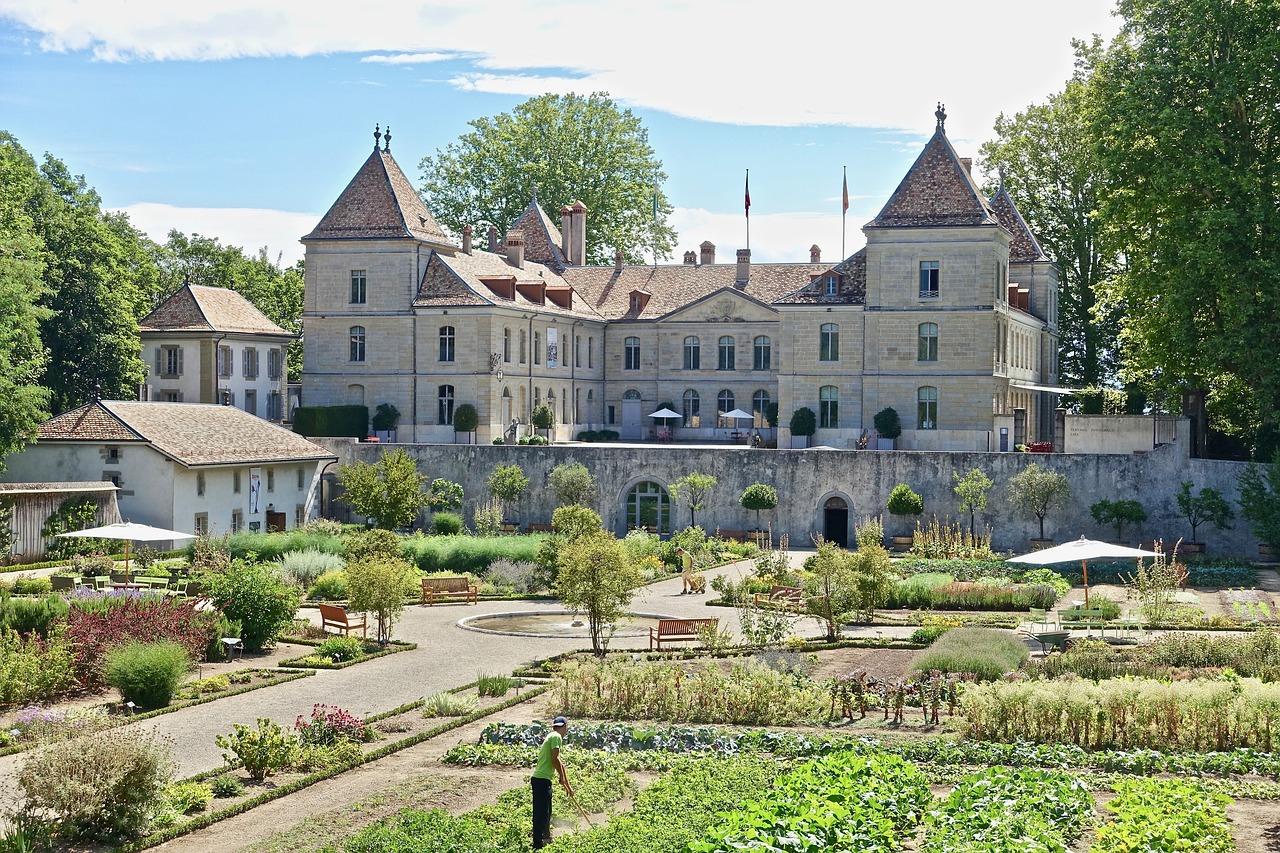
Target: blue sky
{"type": "Point", "coordinates": [245, 118]}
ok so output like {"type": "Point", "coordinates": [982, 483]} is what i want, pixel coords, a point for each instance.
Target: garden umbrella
{"type": "Point", "coordinates": [1083, 550]}
{"type": "Point", "coordinates": [130, 532]}
{"type": "Point", "coordinates": [665, 414]}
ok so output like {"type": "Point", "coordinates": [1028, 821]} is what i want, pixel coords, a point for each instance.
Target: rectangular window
{"type": "Point", "coordinates": [537, 347]}
{"type": "Point", "coordinates": [251, 402]}
{"type": "Point", "coordinates": [832, 286]}
{"type": "Point", "coordinates": [235, 482]}
{"type": "Point", "coordinates": [201, 524]}
{"type": "Point", "coordinates": [447, 343]}
{"type": "Point", "coordinates": [692, 353]}
{"type": "Point", "coordinates": [271, 479]}
{"type": "Point", "coordinates": [591, 352]}
{"type": "Point", "coordinates": [927, 344]}
{"type": "Point", "coordinates": [301, 476]}
{"type": "Point", "coordinates": [171, 396]}
{"type": "Point", "coordinates": [113, 455]}
{"type": "Point", "coordinates": [928, 279]}
{"type": "Point", "coordinates": [829, 342]}
{"type": "Point", "coordinates": [726, 353]}
{"type": "Point", "coordinates": [927, 408]}
{"type": "Point", "coordinates": [169, 361]}
{"type": "Point", "coordinates": [357, 287]}
{"type": "Point", "coordinates": [237, 521]}
{"type": "Point", "coordinates": [299, 515]}
{"type": "Point", "coordinates": [762, 353]}
{"type": "Point", "coordinates": [829, 407]}
{"type": "Point", "coordinates": [250, 363]}
{"type": "Point", "coordinates": [274, 405]}
{"type": "Point", "coordinates": [226, 364]}
{"type": "Point", "coordinates": [199, 483]}
{"type": "Point", "coordinates": [273, 363]}
{"type": "Point", "coordinates": [577, 351]}
{"type": "Point", "coordinates": [631, 354]}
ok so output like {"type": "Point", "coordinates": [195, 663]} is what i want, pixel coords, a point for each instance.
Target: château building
{"type": "Point", "coordinates": [948, 315]}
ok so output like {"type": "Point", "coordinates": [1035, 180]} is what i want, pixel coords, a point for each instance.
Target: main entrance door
{"type": "Point", "coordinates": [835, 521]}
{"type": "Point", "coordinates": [632, 426]}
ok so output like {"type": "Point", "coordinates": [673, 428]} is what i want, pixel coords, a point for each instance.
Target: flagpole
{"type": "Point", "coordinates": [844, 214]}
{"type": "Point", "coordinates": [746, 191]}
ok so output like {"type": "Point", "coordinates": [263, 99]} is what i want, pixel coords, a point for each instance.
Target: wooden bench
{"type": "Point", "coordinates": [678, 631]}
{"type": "Point", "coordinates": [782, 597]}
{"type": "Point", "coordinates": [333, 616]}
{"type": "Point", "coordinates": [450, 588]}
{"type": "Point", "coordinates": [732, 535]}
{"type": "Point", "coordinates": [537, 528]}
{"type": "Point", "coordinates": [508, 529]}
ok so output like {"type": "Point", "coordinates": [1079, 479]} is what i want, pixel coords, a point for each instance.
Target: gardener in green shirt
{"type": "Point", "coordinates": [548, 760]}
{"type": "Point", "coordinates": [686, 570]}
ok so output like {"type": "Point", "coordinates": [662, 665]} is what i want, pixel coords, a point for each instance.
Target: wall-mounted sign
{"type": "Point", "coordinates": [255, 490]}
{"type": "Point", "coordinates": [553, 348]}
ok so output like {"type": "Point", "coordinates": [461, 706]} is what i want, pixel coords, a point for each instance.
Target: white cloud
{"type": "Point", "coordinates": [736, 61]}
{"type": "Point", "coordinates": [409, 58]}
{"type": "Point", "coordinates": [775, 237]}
{"type": "Point", "coordinates": [249, 228]}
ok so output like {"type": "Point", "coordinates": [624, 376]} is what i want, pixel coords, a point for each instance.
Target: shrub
{"type": "Point", "coordinates": [950, 541]}
{"type": "Point", "coordinates": [305, 566]}
{"type": "Point", "coordinates": [887, 423]}
{"type": "Point", "coordinates": [1119, 513]}
{"type": "Point", "coordinates": [446, 524]}
{"type": "Point", "coordinates": [926, 635]}
{"type": "Point", "coordinates": [147, 674]}
{"type": "Point", "coordinates": [916, 592]}
{"type": "Point", "coordinates": [1260, 500]}
{"type": "Point", "coordinates": [265, 546]}
{"type": "Point", "coordinates": [377, 586]}
{"type": "Point", "coordinates": [903, 501]}
{"type": "Point", "coordinates": [32, 616]}
{"type": "Point", "coordinates": [758, 496]}
{"type": "Point", "coordinates": [468, 554]}
{"type": "Point", "coordinates": [95, 625]}
{"type": "Point", "coordinates": [465, 418]}
{"type": "Point", "coordinates": [448, 705]}
{"type": "Point", "coordinates": [869, 532]}
{"type": "Point", "coordinates": [573, 484]}
{"type": "Point", "coordinates": [188, 797]}
{"type": "Point", "coordinates": [508, 482]}
{"type": "Point", "coordinates": [803, 422]}
{"type": "Point", "coordinates": [1034, 491]}
{"type": "Point", "coordinates": [261, 751]}
{"type": "Point", "coordinates": [30, 586]}
{"type": "Point", "coordinates": [328, 725]}
{"type": "Point", "coordinates": [390, 491]}
{"type": "Point", "coordinates": [104, 786]}
{"type": "Point", "coordinates": [983, 652]}
{"type": "Point", "coordinates": [330, 586]}
{"type": "Point", "coordinates": [486, 518]}
{"type": "Point", "coordinates": [1047, 577]}
{"type": "Point", "coordinates": [341, 647]}
{"type": "Point", "coordinates": [226, 786]}
{"type": "Point", "coordinates": [1206, 507]}
{"type": "Point", "coordinates": [518, 576]}
{"type": "Point", "coordinates": [256, 595]}
{"type": "Point", "coordinates": [32, 670]}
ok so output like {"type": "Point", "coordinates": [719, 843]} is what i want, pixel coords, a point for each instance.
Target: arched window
{"type": "Point", "coordinates": [444, 399]}
{"type": "Point", "coordinates": [537, 397]}
{"type": "Point", "coordinates": [726, 351]}
{"type": "Point", "coordinates": [355, 395]}
{"type": "Point", "coordinates": [829, 407]}
{"type": "Point", "coordinates": [759, 402]}
{"type": "Point", "coordinates": [357, 343]}
{"type": "Point", "coordinates": [692, 405]}
{"type": "Point", "coordinates": [692, 353]}
{"type": "Point", "coordinates": [649, 508]}
{"type": "Point", "coordinates": [928, 342]}
{"type": "Point", "coordinates": [447, 336]}
{"type": "Point", "coordinates": [631, 354]}
{"type": "Point", "coordinates": [506, 345]}
{"type": "Point", "coordinates": [631, 394]}
{"type": "Point", "coordinates": [524, 346]}
{"type": "Point", "coordinates": [724, 402]}
{"type": "Point", "coordinates": [762, 353]}
{"type": "Point", "coordinates": [591, 406]}
{"type": "Point", "coordinates": [829, 342]}
{"type": "Point", "coordinates": [927, 408]}
{"type": "Point", "coordinates": [564, 406]}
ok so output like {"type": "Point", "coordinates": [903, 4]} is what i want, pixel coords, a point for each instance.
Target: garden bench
{"type": "Point", "coordinates": [732, 535]}
{"type": "Point", "coordinates": [508, 529]}
{"type": "Point", "coordinates": [537, 528]}
{"type": "Point", "coordinates": [782, 597]}
{"type": "Point", "coordinates": [449, 587]}
{"type": "Point", "coordinates": [678, 631]}
{"type": "Point", "coordinates": [333, 616]}
{"type": "Point", "coordinates": [1087, 619]}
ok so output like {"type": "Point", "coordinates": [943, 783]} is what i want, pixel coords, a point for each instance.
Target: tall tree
{"type": "Point", "coordinates": [1186, 122]}
{"type": "Point", "coordinates": [566, 148]}
{"type": "Point", "coordinates": [1050, 169]}
{"type": "Point", "coordinates": [23, 401]}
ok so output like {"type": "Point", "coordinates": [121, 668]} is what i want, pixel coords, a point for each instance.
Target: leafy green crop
{"type": "Point", "coordinates": [1158, 815]}
{"type": "Point", "coordinates": [1009, 811]}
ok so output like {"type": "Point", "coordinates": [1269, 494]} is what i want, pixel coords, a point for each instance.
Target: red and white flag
{"type": "Point", "coordinates": [746, 191]}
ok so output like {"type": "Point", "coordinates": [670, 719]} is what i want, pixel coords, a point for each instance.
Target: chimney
{"type": "Point", "coordinates": [493, 238]}
{"type": "Point", "coordinates": [566, 233]}
{"type": "Point", "coordinates": [815, 254]}
{"type": "Point", "coordinates": [691, 258]}
{"type": "Point", "coordinates": [708, 250]}
{"type": "Point", "coordinates": [967, 163]}
{"type": "Point", "coordinates": [744, 266]}
{"type": "Point", "coordinates": [617, 260]}
{"type": "Point", "coordinates": [466, 239]}
{"type": "Point", "coordinates": [579, 211]}
{"type": "Point", "coordinates": [515, 249]}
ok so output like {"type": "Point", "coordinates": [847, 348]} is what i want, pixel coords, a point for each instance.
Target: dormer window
{"type": "Point", "coordinates": [639, 301]}
{"type": "Point", "coordinates": [831, 285]}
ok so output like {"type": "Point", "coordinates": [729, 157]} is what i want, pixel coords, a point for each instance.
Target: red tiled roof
{"type": "Point", "coordinates": [456, 279]}
{"type": "Point", "coordinates": [853, 284]}
{"type": "Point", "coordinates": [542, 239]}
{"type": "Point", "coordinates": [1024, 247]}
{"type": "Point", "coordinates": [936, 191]}
{"type": "Point", "coordinates": [379, 203]}
{"type": "Point", "coordinates": [190, 433]}
{"type": "Point", "coordinates": [196, 308]}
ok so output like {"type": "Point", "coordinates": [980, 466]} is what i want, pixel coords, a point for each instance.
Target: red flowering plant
{"type": "Point", "coordinates": [329, 725]}
{"type": "Point", "coordinates": [92, 632]}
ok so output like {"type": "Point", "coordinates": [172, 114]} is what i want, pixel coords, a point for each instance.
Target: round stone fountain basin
{"type": "Point", "coordinates": [555, 624]}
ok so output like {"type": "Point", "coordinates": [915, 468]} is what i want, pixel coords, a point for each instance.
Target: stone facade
{"type": "Point", "coordinates": [948, 316]}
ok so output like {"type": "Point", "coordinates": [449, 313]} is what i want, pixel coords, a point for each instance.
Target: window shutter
{"type": "Point", "coordinates": [255, 364]}
{"type": "Point", "coordinates": [179, 361]}
{"type": "Point", "coordinates": [179, 396]}
{"type": "Point", "coordinates": [159, 355]}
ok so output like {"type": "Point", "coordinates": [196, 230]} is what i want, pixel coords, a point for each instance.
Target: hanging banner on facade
{"type": "Point", "coordinates": [255, 489]}
{"type": "Point", "coordinates": [553, 348]}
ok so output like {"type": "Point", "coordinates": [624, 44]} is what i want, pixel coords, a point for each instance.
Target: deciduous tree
{"type": "Point", "coordinates": [391, 491]}
{"type": "Point", "coordinates": [595, 577]}
{"type": "Point", "coordinates": [693, 489]}
{"type": "Point", "coordinates": [573, 484]}
{"type": "Point", "coordinates": [1035, 491]}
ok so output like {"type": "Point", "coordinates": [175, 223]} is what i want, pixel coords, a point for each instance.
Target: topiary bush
{"type": "Point", "coordinates": [147, 674]}
{"type": "Point", "coordinates": [446, 524]}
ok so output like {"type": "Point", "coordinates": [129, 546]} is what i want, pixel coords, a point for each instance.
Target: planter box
{"type": "Point", "coordinates": [1266, 552]}
{"type": "Point", "coordinates": [799, 442]}
{"type": "Point", "coordinates": [1192, 548]}
{"type": "Point", "coordinates": [759, 537]}
{"type": "Point", "coordinates": [885, 443]}
{"type": "Point", "coordinates": [903, 543]}
{"type": "Point", "coordinates": [1041, 544]}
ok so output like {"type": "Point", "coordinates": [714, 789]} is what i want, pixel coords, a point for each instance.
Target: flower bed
{"type": "Point", "coordinates": [350, 655]}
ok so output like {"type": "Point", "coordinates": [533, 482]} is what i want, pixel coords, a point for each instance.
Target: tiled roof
{"type": "Point", "coordinates": [46, 488]}
{"type": "Point", "coordinates": [379, 203]}
{"type": "Point", "coordinates": [196, 308]}
{"type": "Point", "coordinates": [1024, 247]}
{"type": "Point", "coordinates": [673, 287]}
{"type": "Point", "coordinates": [542, 239]}
{"type": "Point", "coordinates": [190, 433]}
{"type": "Point", "coordinates": [457, 280]}
{"type": "Point", "coordinates": [937, 191]}
{"type": "Point", "coordinates": [853, 284]}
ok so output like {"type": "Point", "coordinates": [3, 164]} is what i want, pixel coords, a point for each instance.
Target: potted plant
{"type": "Point", "coordinates": [904, 502]}
{"type": "Point", "coordinates": [758, 496]}
{"type": "Point", "coordinates": [1208, 506]}
{"type": "Point", "coordinates": [804, 423]}
{"type": "Point", "coordinates": [543, 417]}
{"type": "Point", "coordinates": [1035, 491]}
{"type": "Point", "coordinates": [465, 420]}
{"type": "Point", "coordinates": [384, 421]}
{"type": "Point", "coordinates": [1118, 513]}
{"type": "Point", "coordinates": [1260, 505]}
{"type": "Point", "coordinates": [888, 428]}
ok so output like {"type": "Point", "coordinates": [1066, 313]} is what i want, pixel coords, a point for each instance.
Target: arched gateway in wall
{"type": "Point", "coordinates": [835, 520]}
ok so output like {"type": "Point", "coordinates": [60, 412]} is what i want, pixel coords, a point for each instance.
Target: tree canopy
{"type": "Point", "coordinates": [565, 148]}
{"type": "Point", "coordinates": [391, 491]}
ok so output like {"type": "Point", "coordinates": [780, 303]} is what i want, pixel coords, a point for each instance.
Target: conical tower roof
{"type": "Point", "coordinates": [1024, 247]}
{"type": "Point", "coordinates": [938, 191]}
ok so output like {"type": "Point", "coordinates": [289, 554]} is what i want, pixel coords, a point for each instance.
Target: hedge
{"type": "Point", "coordinates": [350, 421]}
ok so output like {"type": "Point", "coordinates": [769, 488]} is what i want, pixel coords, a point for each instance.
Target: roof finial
{"type": "Point", "coordinates": [941, 115]}
{"type": "Point", "coordinates": [377, 136]}
{"type": "Point", "coordinates": [97, 391]}
{"type": "Point", "coordinates": [535, 193]}
{"type": "Point", "coordinates": [1000, 172]}
{"type": "Point", "coordinates": [386, 137]}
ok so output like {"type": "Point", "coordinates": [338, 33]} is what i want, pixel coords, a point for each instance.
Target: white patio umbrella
{"type": "Point", "coordinates": [130, 533]}
{"type": "Point", "coordinates": [1083, 550]}
{"type": "Point", "coordinates": [665, 413]}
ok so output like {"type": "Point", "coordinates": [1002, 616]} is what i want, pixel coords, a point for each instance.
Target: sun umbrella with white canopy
{"type": "Point", "coordinates": [665, 414]}
{"type": "Point", "coordinates": [735, 414]}
{"type": "Point", "coordinates": [1083, 550]}
{"type": "Point", "coordinates": [130, 533]}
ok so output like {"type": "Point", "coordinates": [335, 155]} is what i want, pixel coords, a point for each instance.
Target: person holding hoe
{"type": "Point", "coordinates": [548, 760]}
